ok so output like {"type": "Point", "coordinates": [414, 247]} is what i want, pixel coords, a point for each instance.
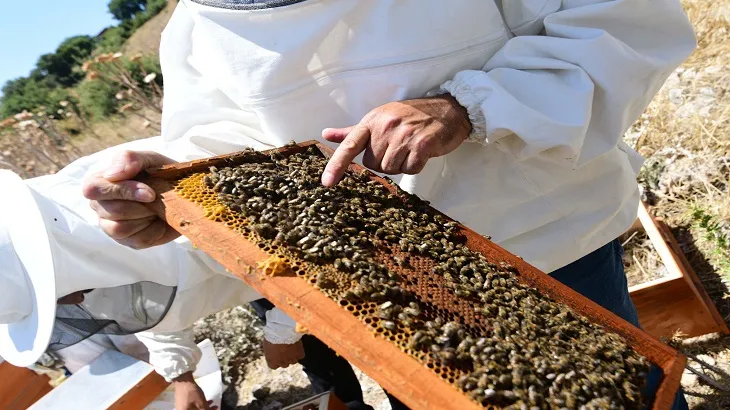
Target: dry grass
{"type": "Point", "coordinates": [146, 39]}
{"type": "Point", "coordinates": [642, 263]}
{"type": "Point", "coordinates": [685, 133]}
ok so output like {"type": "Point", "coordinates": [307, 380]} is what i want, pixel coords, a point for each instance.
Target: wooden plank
{"type": "Point", "coordinates": [678, 301]}
{"type": "Point", "coordinates": [395, 370]}
{"type": "Point", "coordinates": [21, 387]}
{"type": "Point", "coordinates": [31, 393]}
{"type": "Point", "coordinates": [112, 381]}
{"type": "Point", "coordinates": [142, 394]}
{"type": "Point", "coordinates": [689, 273]}
{"type": "Point", "coordinates": [668, 306]}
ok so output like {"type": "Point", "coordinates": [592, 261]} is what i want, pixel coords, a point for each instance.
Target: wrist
{"type": "Point", "coordinates": [184, 378]}
{"type": "Point", "coordinates": [470, 101]}
{"type": "Point", "coordinates": [457, 115]}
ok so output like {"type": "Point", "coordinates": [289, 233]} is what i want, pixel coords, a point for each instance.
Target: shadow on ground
{"type": "Point", "coordinates": [715, 285]}
{"type": "Point", "coordinates": [273, 401]}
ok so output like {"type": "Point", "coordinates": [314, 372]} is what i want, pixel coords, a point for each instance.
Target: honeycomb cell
{"type": "Point", "coordinates": [435, 295]}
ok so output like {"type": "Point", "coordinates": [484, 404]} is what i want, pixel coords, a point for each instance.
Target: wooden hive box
{"type": "Point", "coordinates": [677, 301]}
{"type": "Point", "coordinates": [21, 387]}
{"type": "Point", "coordinates": [417, 385]}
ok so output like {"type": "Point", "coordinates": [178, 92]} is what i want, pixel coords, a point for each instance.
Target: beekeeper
{"type": "Point", "coordinates": [49, 252]}
{"type": "Point", "coordinates": [506, 115]}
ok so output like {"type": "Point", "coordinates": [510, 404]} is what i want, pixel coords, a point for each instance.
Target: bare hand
{"type": "Point", "coordinates": [189, 396]}
{"type": "Point", "coordinates": [119, 201]}
{"type": "Point", "coordinates": [283, 355]}
{"type": "Point", "coordinates": [399, 137]}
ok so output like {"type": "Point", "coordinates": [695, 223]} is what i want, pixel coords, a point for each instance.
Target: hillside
{"type": "Point", "coordinates": [146, 40]}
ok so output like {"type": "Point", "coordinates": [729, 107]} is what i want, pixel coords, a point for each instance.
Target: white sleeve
{"type": "Point", "coordinates": [280, 329]}
{"type": "Point", "coordinates": [172, 354]}
{"type": "Point", "coordinates": [574, 77]}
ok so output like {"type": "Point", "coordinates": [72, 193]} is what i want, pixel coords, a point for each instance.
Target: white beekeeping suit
{"type": "Point", "coordinates": [81, 354]}
{"type": "Point", "coordinates": [550, 87]}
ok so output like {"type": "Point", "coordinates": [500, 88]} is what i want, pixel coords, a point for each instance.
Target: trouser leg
{"type": "Point", "coordinates": [600, 277]}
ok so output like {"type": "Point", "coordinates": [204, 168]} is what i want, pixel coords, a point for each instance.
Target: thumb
{"type": "Point", "coordinates": [128, 164]}
{"type": "Point", "coordinates": [336, 135]}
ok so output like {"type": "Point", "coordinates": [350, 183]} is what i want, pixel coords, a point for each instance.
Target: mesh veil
{"type": "Point", "coordinates": [120, 310]}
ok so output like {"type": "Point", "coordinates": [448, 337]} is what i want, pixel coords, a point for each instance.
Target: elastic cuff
{"type": "Point", "coordinates": [173, 373]}
{"type": "Point", "coordinates": [469, 100]}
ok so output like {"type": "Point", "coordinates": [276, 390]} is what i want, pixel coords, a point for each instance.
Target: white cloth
{"type": "Point", "coordinates": [79, 355]}
{"type": "Point", "coordinates": [172, 354]}
{"type": "Point", "coordinates": [550, 87]}
{"type": "Point", "coordinates": [203, 286]}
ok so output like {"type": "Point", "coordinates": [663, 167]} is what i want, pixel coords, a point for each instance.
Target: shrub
{"type": "Point", "coordinates": [126, 9]}
{"type": "Point", "coordinates": [26, 93]}
{"type": "Point", "coordinates": [96, 99]}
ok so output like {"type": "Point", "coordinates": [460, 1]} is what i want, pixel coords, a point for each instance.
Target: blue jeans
{"type": "Point", "coordinates": [600, 277]}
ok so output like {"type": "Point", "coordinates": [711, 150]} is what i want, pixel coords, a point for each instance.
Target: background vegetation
{"type": "Point", "coordinates": [59, 76]}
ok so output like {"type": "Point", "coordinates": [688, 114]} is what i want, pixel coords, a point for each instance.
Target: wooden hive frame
{"type": "Point", "coordinates": [396, 371]}
{"type": "Point", "coordinates": [677, 301]}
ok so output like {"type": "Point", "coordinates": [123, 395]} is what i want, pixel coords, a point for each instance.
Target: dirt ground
{"type": "Point", "coordinates": [237, 336]}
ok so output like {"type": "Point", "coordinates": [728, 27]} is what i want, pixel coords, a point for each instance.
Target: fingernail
{"type": "Point", "coordinates": [328, 178]}
{"type": "Point", "coordinates": [114, 170]}
{"type": "Point", "coordinates": [144, 195]}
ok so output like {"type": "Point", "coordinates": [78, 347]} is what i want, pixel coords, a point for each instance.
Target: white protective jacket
{"type": "Point", "coordinates": [204, 287]}
{"type": "Point", "coordinates": [550, 87]}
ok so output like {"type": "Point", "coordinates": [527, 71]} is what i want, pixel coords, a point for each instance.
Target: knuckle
{"type": "Point", "coordinates": [90, 189]}
{"type": "Point", "coordinates": [113, 229]}
{"type": "Point", "coordinates": [407, 132]}
{"type": "Point", "coordinates": [127, 156]}
{"type": "Point", "coordinates": [122, 191]}
{"type": "Point", "coordinates": [421, 146]}
{"type": "Point", "coordinates": [391, 169]}
{"type": "Point", "coordinates": [349, 144]}
{"type": "Point", "coordinates": [115, 208]}
{"type": "Point", "coordinates": [415, 167]}
{"type": "Point", "coordinates": [389, 121]}
{"type": "Point", "coordinates": [119, 210]}
{"type": "Point", "coordinates": [394, 122]}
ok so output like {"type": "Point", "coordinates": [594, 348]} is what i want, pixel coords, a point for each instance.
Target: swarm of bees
{"type": "Point", "coordinates": [534, 352]}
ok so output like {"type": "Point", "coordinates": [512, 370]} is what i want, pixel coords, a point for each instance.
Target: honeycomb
{"type": "Point", "coordinates": [438, 302]}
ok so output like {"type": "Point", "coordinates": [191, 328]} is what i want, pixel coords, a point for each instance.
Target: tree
{"type": "Point", "coordinates": [59, 66]}
{"type": "Point", "coordinates": [126, 9]}
{"type": "Point", "coordinates": [76, 49]}
{"type": "Point", "coordinates": [25, 94]}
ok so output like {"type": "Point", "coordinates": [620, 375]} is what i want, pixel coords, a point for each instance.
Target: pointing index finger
{"type": "Point", "coordinates": [349, 148]}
